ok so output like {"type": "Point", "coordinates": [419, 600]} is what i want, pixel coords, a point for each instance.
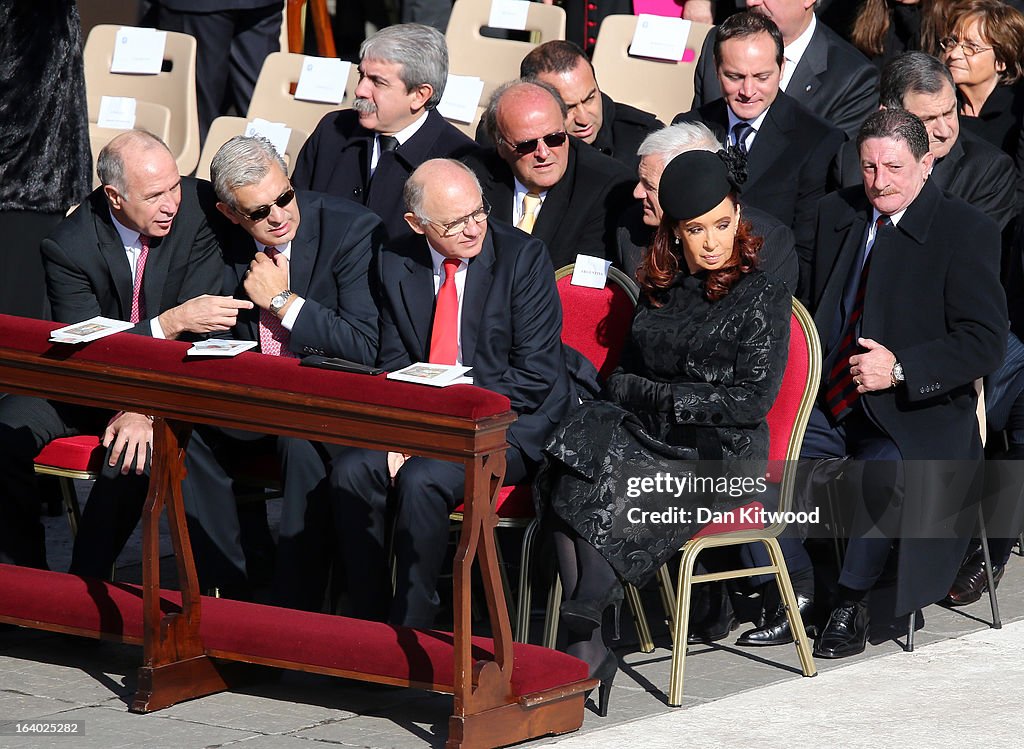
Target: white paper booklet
{"type": "Point", "coordinates": [423, 373]}
{"type": "Point", "coordinates": [89, 330]}
{"type": "Point", "coordinates": [220, 347]}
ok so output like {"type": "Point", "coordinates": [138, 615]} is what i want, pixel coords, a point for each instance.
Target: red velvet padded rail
{"type": "Point", "coordinates": [248, 629]}
{"type": "Point", "coordinates": [253, 370]}
{"type": "Point", "coordinates": [82, 453]}
{"type": "Point", "coordinates": [595, 321]}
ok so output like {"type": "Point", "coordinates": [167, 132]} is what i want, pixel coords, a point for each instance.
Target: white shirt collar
{"type": "Point", "coordinates": [517, 206]}
{"type": "Point", "coordinates": [795, 51]}
{"type": "Point", "coordinates": [438, 259]}
{"type": "Point", "coordinates": [402, 135]}
{"type": "Point", "coordinates": [129, 237]}
{"type": "Point", "coordinates": [284, 249]}
{"type": "Point", "coordinates": [894, 217]}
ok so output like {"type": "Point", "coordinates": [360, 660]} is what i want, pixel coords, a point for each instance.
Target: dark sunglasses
{"type": "Point", "coordinates": [552, 140]}
{"type": "Point", "coordinates": [258, 214]}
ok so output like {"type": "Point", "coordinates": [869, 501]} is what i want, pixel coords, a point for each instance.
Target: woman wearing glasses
{"type": "Point", "coordinates": [984, 51]}
{"type": "Point", "coordinates": [699, 371]}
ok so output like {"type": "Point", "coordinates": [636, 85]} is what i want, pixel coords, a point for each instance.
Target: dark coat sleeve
{"type": "Point", "coordinates": [346, 323]}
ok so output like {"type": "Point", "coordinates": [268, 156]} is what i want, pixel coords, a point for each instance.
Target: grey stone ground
{"type": "Point", "coordinates": [734, 696]}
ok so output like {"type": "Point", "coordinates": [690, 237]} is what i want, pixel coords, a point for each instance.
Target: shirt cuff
{"type": "Point", "coordinates": [155, 329]}
{"type": "Point", "coordinates": [292, 314]}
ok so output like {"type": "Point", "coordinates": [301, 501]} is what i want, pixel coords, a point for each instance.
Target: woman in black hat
{"type": "Point", "coordinates": [699, 372]}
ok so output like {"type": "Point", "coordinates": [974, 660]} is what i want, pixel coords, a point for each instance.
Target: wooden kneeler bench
{"type": "Point", "coordinates": [320, 643]}
{"type": "Point", "coordinates": [503, 692]}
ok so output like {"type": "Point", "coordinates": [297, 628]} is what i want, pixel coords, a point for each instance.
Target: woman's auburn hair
{"type": "Point", "coordinates": [662, 262]}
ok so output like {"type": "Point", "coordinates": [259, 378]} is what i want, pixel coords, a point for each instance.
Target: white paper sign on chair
{"type": "Point", "coordinates": [461, 98]}
{"type": "Point", "coordinates": [322, 79]}
{"type": "Point", "coordinates": [139, 51]}
{"type": "Point", "coordinates": [590, 271]}
{"type": "Point", "coordinates": [277, 133]}
{"type": "Point", "coordinates": [660, 37]}
{"type": "Point", "coordinates": [116, 112]}
{"type": "Point", "coordinates": [508, 14]}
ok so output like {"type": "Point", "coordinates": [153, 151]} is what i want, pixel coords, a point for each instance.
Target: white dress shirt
{"type": "Point", "coordinates": [132, 241]}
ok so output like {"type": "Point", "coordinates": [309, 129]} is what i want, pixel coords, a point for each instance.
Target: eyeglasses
{"type": "Point", "coordinates": [552, 140]}
{"type": "Point", "coordinates": [258, 214]}
{"type": "Point", "coordinates": [459, 225]}
{"type": "Point", "coordinates": [970, 48]}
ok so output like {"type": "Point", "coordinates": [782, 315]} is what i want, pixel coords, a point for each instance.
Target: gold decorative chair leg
{"type": "Point", "coordinates": [796, 623]}
{"type": "Point", "coordinates": [636, 607]}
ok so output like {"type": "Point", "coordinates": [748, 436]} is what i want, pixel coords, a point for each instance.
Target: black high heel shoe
{"type": "Point", "coordinates": [605, 673]}
{"type": "Point", "coordinates": [585, 615]}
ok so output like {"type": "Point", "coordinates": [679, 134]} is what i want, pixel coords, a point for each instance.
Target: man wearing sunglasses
{"type": "Point", "coordinates": [303, 260]}
{"type": "Point", "coordinates": [140, 248]}
{"type": "Point", "coordinates": [545, 183]}
{"type": "Point", "coordinates": [366, 153]}
{"type": "Point", "coordinates": [461, 290]}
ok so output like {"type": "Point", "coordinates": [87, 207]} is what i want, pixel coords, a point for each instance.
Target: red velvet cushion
{"type": "Point", "coordinates": [782, 415]}
{"type": "Point", "coordinates": [513, 502]}
{"type": "Point", "coordinates": [255, 370]}
{"type": "Point", "coordinates": [595, 321]}
{"type": "Point", "coordinates": [249, 630]}
{"type": "Point", "coordinates": [83, 453]}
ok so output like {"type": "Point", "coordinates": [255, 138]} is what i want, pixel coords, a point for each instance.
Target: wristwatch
{"type": "Point", "coordinates": [897, 374]}
{"type": "Point", "coordinates": [278, 302]}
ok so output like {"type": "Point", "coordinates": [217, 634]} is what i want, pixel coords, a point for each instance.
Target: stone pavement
{"type": "Point", "coordinates": [734, 696]}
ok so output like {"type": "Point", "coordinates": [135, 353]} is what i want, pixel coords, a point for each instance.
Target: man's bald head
{"type": "Point", "coordinates": [443, 197]}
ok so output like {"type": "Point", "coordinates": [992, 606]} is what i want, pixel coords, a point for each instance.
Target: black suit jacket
{"type": "Point", "coordinates": [833, 80]}
{"type": "Point", "coordinates": [87, 271]}
{"type": "Point", "coordinates": [330, 269]}
{"type": "Point", "coordinates": [974, 171]}
{"type": "Point", "coordinates": [933, 298]}
{"type": "Point", "coordinates": [578, 214]}
{"type": "Point", "coordinates": [777, 257]}
{"type": "Point", "coordinates": [788, 163]}
{"type": "Point", "coordinates": [336, 160]}
{"type": "Point", "coordinates": [511, 325]}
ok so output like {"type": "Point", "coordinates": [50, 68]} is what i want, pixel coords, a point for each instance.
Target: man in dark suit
{"type": "Point", "coordinates": [789, 150]}
{"type": "Point", "coordinates": [462, 291]}
{"type": "Point", "coordinates": [822, 71]}
{"type": "Point", "coordinates": [637, 224]}
{"type": "Point", "coordinates": [233, 38]}
{"type": "Point", "coordinates": [366, 153]}
{"type": "Point", "coordinates": [140, 249]}
{"type": "Point", "coordinates": [965, 165]}
{"type": "Point", "coordinates": [612, 128]}
{"type": "Point", "coordinates": [561, 190]}
{"type": "Point", "coordinates": [303, 261]}
{"type": "Point", "coordinates": [908, 320]}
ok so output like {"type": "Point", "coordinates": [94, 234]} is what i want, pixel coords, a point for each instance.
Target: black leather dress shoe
{"type": "Point", "coordinates": [776, 630]}
{"type": "Point", "coordinates": [720, 619]}
{"type": "Point", "coordinates": [846, 632]}
{"type": "Point", "coordinates": [971, 581]}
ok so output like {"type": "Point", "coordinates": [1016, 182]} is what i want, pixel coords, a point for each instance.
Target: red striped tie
{"type": "Point", "coordinates": [273, 335]}
{"type": "Point", "coordinates": [138, 295]}
{"type": "Point", "coordinates": [444, 334]}
{"type": "Point", "coordinates": [842, 390]}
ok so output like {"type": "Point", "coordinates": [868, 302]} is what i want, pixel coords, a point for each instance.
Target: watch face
{"type": "Point", "coordinates": [278, 302]}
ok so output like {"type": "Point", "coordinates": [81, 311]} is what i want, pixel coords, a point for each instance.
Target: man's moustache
{"type": "Point", "coordinates": [364, 106]}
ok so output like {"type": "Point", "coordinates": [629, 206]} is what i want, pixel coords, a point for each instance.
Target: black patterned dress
{"type": "Point", "coordinates": [689, 399]}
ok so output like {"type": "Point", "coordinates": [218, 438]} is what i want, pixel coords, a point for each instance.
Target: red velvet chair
{"type": "Point", "coordinates": [70, 458]}
{"type": "Point", "coordinates": [787, 421]}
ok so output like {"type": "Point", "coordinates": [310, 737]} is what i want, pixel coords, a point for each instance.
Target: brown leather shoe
{"type": "Point", "coordinates": [971, 581]}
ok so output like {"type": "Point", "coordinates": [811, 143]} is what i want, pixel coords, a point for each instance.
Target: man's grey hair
{"type": "Point", "coordinates": [899, 125]}
{"type": "Point", "coordinates": [242, 161]}
{"type": "Point", "coordinates": [490, 115]}
{"type": "Point", "coordinates": [420, 50]}
{"type": "Point", "coordinates": [415, 190]}
{"type": "Point", "coordinates": [110, 167]}
{"type": "Point", "coordinates": [673, 140]}
{"type": "Point", "coordinates": [912, 73]}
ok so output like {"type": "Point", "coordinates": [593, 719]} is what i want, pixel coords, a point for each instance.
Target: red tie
{"type": "Point", "coordinates": [273, 335]}
{"type": "Point", "coordinates": [842, 390]}
{"type": "Point", "coordinates": [138, 296]}
{"type": "Point", "coordinates": [444, 335]}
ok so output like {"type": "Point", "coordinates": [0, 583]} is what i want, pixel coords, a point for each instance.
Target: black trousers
{"type": "Point", "coordinates": [231, 46]}
{"type": "Point", "coordinates": [27, 425]}
{"type": "Point", "coordinates": [424, 494]}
